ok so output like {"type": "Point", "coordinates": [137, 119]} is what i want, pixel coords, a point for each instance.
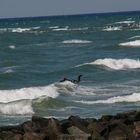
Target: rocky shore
{"type": "Point", "coordinates": [122, 126]}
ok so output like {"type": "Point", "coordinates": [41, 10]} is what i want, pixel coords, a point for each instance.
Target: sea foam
{"type": "Point", "coordinates": [76, 41]}
{"type": "Point", "coordinates": [135, 97]}
{"type": "Point", "coordinates": [135, 43]}
{"type": "Point", "coordinates": [27, 93]}
{"type": "Point", "coordinates": [112, 29]}
{"type": "Point", "coordinates": [116, 64]}
{"type": "Point", "coordinates": [19, 101]}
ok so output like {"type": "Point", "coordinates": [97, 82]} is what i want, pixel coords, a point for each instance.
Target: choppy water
{"type": "Point", "coordinates": [36, 53]}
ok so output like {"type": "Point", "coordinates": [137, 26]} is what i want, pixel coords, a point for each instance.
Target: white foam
{"type": "Point", "coordinates": [74, 89]}
{"type": "Point", "coordinates": [61, 29]}
{"type": "Point", "coordinates": [116, 64]}
{"type": "Point", "coordinates": [133, 37]}
{"type": "Point", "coordinates": [12, 46]}
{"type": "Point", "coordinates": [53, 27]}
{"type": "Point", "coordinates": [27, 93]}
{"type": "Point", "coordinates": [135, 97]}
{"type": "Point", "coordinates": [135, 43]}
{"type": "Point", "coordinates": [20, 30]}
{"type": "Point", "coordinates": [20, 107]}
{"type": "Point", "coordinates": [112, 29]}
{"type": "Point", "coordinates": [76, 41]}
{"type": "Point", "coordinates": [125, 22]}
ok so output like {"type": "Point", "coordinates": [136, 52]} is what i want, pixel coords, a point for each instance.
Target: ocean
{"type": "Point", "coordinates": [36, 53]}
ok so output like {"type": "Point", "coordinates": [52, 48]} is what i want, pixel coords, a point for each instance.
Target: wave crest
{"type": "Point", "coordinates": [116, 64]}
{"type": "Point", "coordinates": [135, 97]}
{"type": "Point", "coordinates": [76, 41]}
{"type": "Point", "coordinates": [135, 43]}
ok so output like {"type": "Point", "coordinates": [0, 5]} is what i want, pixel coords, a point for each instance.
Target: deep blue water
{"type": "Point", "coordinates": [36, 53]}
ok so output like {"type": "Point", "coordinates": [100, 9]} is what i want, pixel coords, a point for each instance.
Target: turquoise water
{"type": "Point", "coordinates": [36, 53]}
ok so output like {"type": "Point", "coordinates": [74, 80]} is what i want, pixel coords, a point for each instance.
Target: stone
{"type": "Point", "coordinates": [31, 136]}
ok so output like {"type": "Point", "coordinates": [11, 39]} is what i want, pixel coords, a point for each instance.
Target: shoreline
{"type": "Point", "coordinates": [122, 126]}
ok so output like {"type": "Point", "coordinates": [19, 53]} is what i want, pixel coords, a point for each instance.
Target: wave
{"type": "Point", "coordinates": [61, 29]}
{"type": "Point", "coordinates": [135, 97]}
{"type": "Point", "coordinates": [21, 101]}
{"type": "Point", "coordinates": [135, 43]}
{"type": "Point", "coordinates": [116, 64]}
{"type": "Point", "coordinates": [125, 22]}
{"type": "Point", "coordinates": [27, 93]}
{"type": "Point", "coordinates": [12, 46]}
{"type": "Point", "coordinates": [53, 27]}
{"type": "Point", "coordinates": [66, 28]}
{"type": "Point", "coordinates": [74, 89]}
{"type": "Point", "coordinates": [19, 107]}
{"type": "Point", "coordinates": [133, 37]}
{"type": "Point", "coordinates": [20, 30]}
{"type": "Point", "coordinates": [7, 69]}
{"type": "Point", "coordinates": [112, 29]}
{"type": "Point", "coordinates": [76, 41]}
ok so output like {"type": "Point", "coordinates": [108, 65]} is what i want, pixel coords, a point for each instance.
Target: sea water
{"type": "Point", "coordinates": [36, 53]}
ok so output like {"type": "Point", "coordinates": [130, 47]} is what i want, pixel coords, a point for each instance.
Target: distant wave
{"type": "Point", "coordinates": [112, 28]}
{"type": "Point", "coordinates": [135, 97]}
{"type": "Point", "coordinates": [18, 30]}
{"type": "Point", "coordinates": [76, 41]}
{"type": "Point", "coordinates": [133, 37]}
{"type": "Point", "coordinates": [12, 46]}
{"type": "Point", "coordinates": [135, 43]}
{"type": "Point", "coordinates": [125, 22]}
{"type": "Point", "coordinates": [66, 28]}
{"type": "Point", "coordinates": [61, 29]}
{"type": "Point", "coordinates": [7, 69]}
{"type": "Point", "coordinates": [116, 64]}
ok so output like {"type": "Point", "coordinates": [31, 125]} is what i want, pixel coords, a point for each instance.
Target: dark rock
{"type": "Point", "coordinates": [107, 118]}
{"type": "Point", "coordinates": [31, 136]}
{"type": "Point", "coordinates": [65, 124]}
{"type": "Point", "coordinates": [42, 122]}
{"type": "Point", "coordinates": [125, 115]}
{"type": "Point", "coordinates": [120, 131]}
{"type": "Point", "coordinates": [73, 130]}
{"type": "Point", "coordinates": [78, 122]}
{"type": "Point", "coordinates": [71, 137]}
{"type": "Point", "coordinates": [97, 126]}
{"type": "Point", "coordinates": [137, 116]}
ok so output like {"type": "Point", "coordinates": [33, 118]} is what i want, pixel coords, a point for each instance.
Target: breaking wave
{"type": "Point", "coordinates": [116, 64]}
{"type": "Point", "coordinates": [135, 43]}
{"type": "Point", "coordinates": [19, 101]}
{"type": "Point", "coordinates": [135, 97]}
{"type": "Point", "coordinates": [76, 41]}
{"type": "Point", "coordinates": [112, 29]}
{"type": "Point", "coordinates": [133, 37]}
{"type": "Point", "coordinates": [125, 22]}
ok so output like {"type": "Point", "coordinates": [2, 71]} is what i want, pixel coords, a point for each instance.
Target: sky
{"type": "Point", "coordinates": [28, 8]}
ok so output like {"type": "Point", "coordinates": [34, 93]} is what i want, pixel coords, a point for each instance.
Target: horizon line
{"type": "Point", "coordinates": [68, 15]}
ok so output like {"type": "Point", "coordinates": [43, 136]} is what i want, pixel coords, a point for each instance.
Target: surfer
{"type": "Point", "coordinates": [73, 81]}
